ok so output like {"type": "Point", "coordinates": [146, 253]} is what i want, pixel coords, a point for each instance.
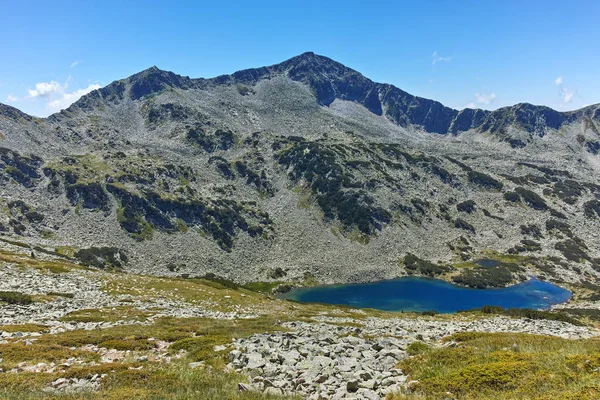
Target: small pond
{"type": "Point", "coordinates": [487, 263]}
{"type": "Point", "coordinates": [423, 294]}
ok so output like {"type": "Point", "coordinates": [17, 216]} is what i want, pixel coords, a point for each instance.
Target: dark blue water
{"type": "Point", "coordinates": [487, 262]}
{"type": "Point", "coordinates": [422, 294]}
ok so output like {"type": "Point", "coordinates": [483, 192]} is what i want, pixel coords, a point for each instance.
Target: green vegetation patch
{"type": "Point", "coordinates": [23, 328]}
{"type": "Point", "coordinates": [15, 298]}
{"type": "Point", "coordinates": [568, 190]}
{"type": "Point", "coordinates": [532, 199]}
{"type": "Point", "coordinates": [531, 230]}
{"type": "Point", "coordinates": [506, 366]}
{"type": "Point", "coordinates": [484, 180]}
{"type": "Point", "coordinates": [219, 140]}
{"type": "Point", "coordinates": [19, 168]}
{"type": "Point", "coordinates": [53, 266]}
{"type": "Point", "coordinates": [223, 167]}
{"type": "Point", "coordinates": [484, 277]}
{"type": "Point", "coordinates": [462, 224]}
{"type": "Point", "coordinates": [15, 353]}
{"type": "Point", "coordinates": [549, 172]}
{"type": "Point", "coordinates": [592, 208]}
{"type": "Point", "coordinates": [336, 190]}
{"type": "Point", "coordinates": [257, 179]}
{"type": "Point", "coordinates": [157, 113]}
{"type": "Point", "coordinates": [221, 218]}
{"type": "Point", "coordinates": [526, 245]}
{"type": "Point", "coordinates": [573, 249]}
{"type": "Point", "coordinates": [423, 267]}
{"type": "Point", "coordinates": [554, 226]}
{"type": "Point", "coordinates": [112, 314]}
{"type": "Point", "coordinates": [89, 195]}
{"type": "Point", "coordinates": [467, 206]}
{"type": "Point", "coordinates": [102, 257]}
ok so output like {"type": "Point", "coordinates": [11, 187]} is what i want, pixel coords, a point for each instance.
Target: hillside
{"type": "Point", "coordinates": [287, 172]}
{"type": "Point", "coordinates": [70, 332]}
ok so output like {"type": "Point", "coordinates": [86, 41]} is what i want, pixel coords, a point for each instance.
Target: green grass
{"type": "Point", "coordinates": [197, 336]}
{"type": "Point", "coordinates": [262, 287]}
{"type": "Point", "coordinates": [15, 298]}
{"type": "Point", "coordinates": [153, 382]}
{"type": "Point", "coordinates": [67, 251]}
{"type": "Point", "coordinates": [15, 353]}
{"type": "Point", "coordinates": [168, 329]}
{"type": "Point", "coordinates": [506, 366]}
{"type": "Point", "coordinates": [23, 328]}
{"type": "Point", "coordinates": [22, 260]}
{"type": "Point", "coordinates": [109, 314]}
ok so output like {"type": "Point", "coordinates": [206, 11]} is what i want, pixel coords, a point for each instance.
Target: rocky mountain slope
{"type": "Point", "coordinates": [302, 171]}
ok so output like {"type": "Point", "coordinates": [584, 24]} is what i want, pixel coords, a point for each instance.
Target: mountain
{"type": "Point", "coordinates": [302, 171]}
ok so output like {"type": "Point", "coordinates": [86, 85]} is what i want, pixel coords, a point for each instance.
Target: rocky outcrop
{"type": "Point", "coordinates": [358, 361]}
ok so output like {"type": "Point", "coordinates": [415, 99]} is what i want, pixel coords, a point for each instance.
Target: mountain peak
{"type": "Point", "coordinates": [154, 79]}
{"type": "Point", "coordinates": [330, 80]}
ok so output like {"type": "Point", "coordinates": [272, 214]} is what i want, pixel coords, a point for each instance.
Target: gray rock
{"type": "Point", "coordinates": [352, 386]}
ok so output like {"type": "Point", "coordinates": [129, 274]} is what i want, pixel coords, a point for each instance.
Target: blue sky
{"type": "Point", "coordinates": [485, 54]}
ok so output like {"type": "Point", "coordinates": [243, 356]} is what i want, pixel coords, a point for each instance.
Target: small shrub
{"type": "Point", "coordinates": [467, 206]}
{"type": "Point", "coordinates": [61, 294]}
{"type": "Point", "coordinates": [483, 277]}
{"type": "Point", "coordinates": [512, 197]}
{"type": "Point", "coordinates": [532, 199]}
{"type": "Point", "coordinates": [102, 257]}
{"type": "Point", "coordinates": [532, 230]}
{"type": "Point", "coordinates": [462, 224]}
{"type": "Point", "coordinates": [553, 225]}
{"type": "Point", "coordinates": [592, 208]}
{"type": "Point", "coordinates": [416, 348]}
{"type": "Point", "coordinates": [484, 180]}
{"type": "Point", "coordinates": [15, 298]}
{"type": "Point", "coordinates": [245, 90]}
{"type": "Point", "coordinates": [496, 375]}
{"type": "Point", "coordinates": [200, 348]}
{"type": "Point", "coordinates": [531, 245]}
{"type": "Point", "coordinates": [222, 282]}
{"type": "Point", "coordinates": [572, 250]}
{"type": "Point", "coordinates": [277, 273]}
{"type": "Point", "coordinates": [127, 344]}
{"type": "Point", "coordinates": [414, 263]}
{"type": "Point", "coordinates": [429, 313]}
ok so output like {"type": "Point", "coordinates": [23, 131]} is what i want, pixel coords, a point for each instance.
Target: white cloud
{"type": "Point", "coordinates": [438, 58]}
{"type": "Point", "coordinates": [485, 98]}
{"type": "Point", "coordinates": [76, 63]}
{"type": "Point", "coordinates": [66, 99]}
{"type": "Point", "coordinates": [11, 99]}
{"type": "Point", "coordinates": [481, 100]}
{"type": "Point", "coordinates": [55, 96]}
{"type": "Point", "coordinates": [567, 95]}
{"type": "Point", "coordinates": [45, 89]}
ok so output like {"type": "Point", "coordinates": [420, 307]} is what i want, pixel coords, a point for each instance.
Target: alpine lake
{"type": "Point", "coordinates": [416, 294]}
